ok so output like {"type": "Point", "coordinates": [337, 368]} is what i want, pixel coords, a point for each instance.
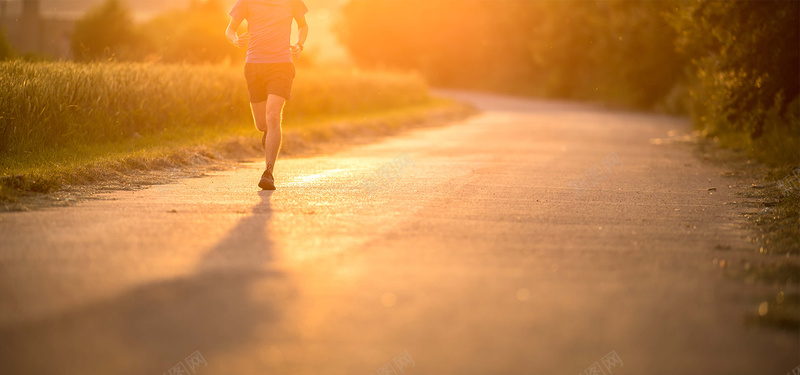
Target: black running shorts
{"type": "Point", "coordinates": [269, 79]}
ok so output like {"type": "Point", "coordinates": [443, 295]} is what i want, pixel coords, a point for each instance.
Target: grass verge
{"type": "Point", "coordinates": [71, 174]}
{"type": "Point", "coordinates": [777, 224]}
{"type": "Point", "coordinates": [771, 203]}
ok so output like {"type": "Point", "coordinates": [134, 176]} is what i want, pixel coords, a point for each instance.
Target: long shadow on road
{"type": "Point", "coordinates": [156, 326]}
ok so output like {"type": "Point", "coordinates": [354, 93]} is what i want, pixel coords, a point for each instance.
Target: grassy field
{"type": "Point", "coordinates": [66, 123]}
{"type": "Point", "coordinates": [55, 105]}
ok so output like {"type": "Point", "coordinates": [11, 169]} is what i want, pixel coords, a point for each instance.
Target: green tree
{"type": "Point", "coordinates": [106, 32]}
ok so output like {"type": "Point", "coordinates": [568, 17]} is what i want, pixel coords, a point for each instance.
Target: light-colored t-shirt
{"type": "Point", "coordinates": [269, 23]}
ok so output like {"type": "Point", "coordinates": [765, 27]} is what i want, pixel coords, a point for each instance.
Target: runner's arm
{"type": "Point", "coordinates": [302, 28]}
{"type": "Point", "coordinates": [230, 32]}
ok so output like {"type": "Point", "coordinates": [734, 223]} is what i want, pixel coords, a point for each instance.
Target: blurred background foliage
{"type": "Point", "coordinates": [619, 51]}
{"type": "Point", "coordinates": [733, 65]}
{"type": "Point", "coordinates": [194, 35]}
{"type": "Point", "coordinates": [191, 35]}
{"type": "Point", "coordinates": [6, 51]}
{"type": "Point", "coordinates": [104, 32]}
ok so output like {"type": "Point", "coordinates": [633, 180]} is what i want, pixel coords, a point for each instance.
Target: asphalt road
{"type": "Point", "coordinates": [477, 256]}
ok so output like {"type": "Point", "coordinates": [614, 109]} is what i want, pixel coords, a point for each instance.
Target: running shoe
{"type": "Point", "coordinates": [267, 181]}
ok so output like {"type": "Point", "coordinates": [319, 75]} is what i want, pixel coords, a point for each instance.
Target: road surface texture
{"type": "Point", "coordinates": [480, 258]}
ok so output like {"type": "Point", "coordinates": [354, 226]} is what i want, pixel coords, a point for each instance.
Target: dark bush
{"type": "Point", "coordinates": [745, 72]}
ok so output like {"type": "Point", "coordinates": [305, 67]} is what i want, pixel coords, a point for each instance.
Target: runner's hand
{"type": "Point", "coordinates": [231, 36]}
{"type": "Point", "coordinates": [242, 40]}
{"type": "Point", "coordinates": [296, 50]}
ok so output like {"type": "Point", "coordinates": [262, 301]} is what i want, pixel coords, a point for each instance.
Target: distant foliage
{"type": "Point", "coordinates": [615, 50]}
{"type": "Point", "coordinates": [106, 32]}
{"type": "Point", "coordinates": [745, 70]}
{"type": "Point", "coordinates": [6, 52]}
{"type": "Point", "coordinates": [194, 35]}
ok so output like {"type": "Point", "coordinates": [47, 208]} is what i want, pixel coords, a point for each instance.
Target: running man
{"type": "Point", "coordinates": [269, 70]}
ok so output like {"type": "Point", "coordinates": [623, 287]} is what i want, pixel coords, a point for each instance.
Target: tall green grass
{"type": "Point", "coordinates": [64, 105]}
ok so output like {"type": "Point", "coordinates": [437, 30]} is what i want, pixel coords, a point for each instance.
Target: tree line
{"type": "Point", "coordinates": [733, 65]}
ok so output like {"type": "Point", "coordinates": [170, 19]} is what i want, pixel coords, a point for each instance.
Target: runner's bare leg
{"type": "Point", "coordinates": [268, 116]}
